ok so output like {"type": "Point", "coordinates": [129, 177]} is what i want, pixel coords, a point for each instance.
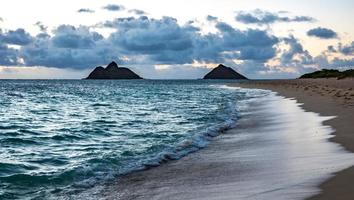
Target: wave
{"type": "Point", "coordinates": [9, 127]}
{"type": "Point", "coordinates": [18, 141]}
{"type": "Point", "coordinates": [186, 146]}
{"type": "Point", "coordinates": [7, 169]}
{"type": "Point", "coordinates": [100, 105]}
{"type": "Point", "coordinates": [87, 142]}
{"type": "Point", "coordinates": [226, 87]}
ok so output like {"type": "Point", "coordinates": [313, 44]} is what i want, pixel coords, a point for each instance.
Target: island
{"type": "Point", "coordinates": [223, 72]}
{"type": "Point", "coordinates": [112, 71]}
{"type": "Point", "coordinates": [330, 73]}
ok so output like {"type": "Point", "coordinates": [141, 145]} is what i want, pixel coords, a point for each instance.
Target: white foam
{"type": "Point", "coordinates": [277, 151]}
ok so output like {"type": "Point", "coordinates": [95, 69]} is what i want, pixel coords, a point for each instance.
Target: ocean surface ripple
{"type": "Point", "coordinates": [60, 137]}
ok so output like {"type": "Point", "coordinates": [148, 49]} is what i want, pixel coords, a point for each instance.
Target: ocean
{"type": "Point", "coordinates": [92, 139]}
{"type": "Point", "coordinates": [59, 138]}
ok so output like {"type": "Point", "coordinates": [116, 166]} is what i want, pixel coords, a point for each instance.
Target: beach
{"type": "Point", "coordinates": [176, 100]}
{"type": "Point", "coordinates": [277, 150]}
{"type": "Point", "coordinates": [328, 97]}
{"type": "Point", "coordinates": [172, 139]}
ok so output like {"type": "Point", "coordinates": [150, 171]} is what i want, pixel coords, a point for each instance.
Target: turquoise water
{"type": "Point", "coordinates": [61, 137]}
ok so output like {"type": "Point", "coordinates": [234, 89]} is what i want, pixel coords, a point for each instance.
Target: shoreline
{"type": "Point", "coordinates": [249, 161]}
{"type": "Point", "coordinates": [328, 97]}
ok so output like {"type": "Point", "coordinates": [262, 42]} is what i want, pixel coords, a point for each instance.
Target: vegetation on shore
{"type": "Point", "coordinates": [330, 73]}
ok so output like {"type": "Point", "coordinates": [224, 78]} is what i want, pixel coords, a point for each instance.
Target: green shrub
{"type": "Point", "coordinates": [330, 73]}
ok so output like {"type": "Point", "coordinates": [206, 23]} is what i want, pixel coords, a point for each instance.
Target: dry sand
{"type": "Point", "coordinates": [328, 97]}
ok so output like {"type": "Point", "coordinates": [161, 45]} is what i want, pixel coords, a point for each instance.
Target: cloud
{"type": "Point", "coordinates": [283, 12]}
{"type": "Point", "coordinates": [41, 26]}
{"type": "Point", "coordinates": [137, 12]}
{"type": "Point", "coordinates": [8, 56]}
{"type": "Point", "coordinates": [69, 47]}
{"type": "Point", "coordinates": [85, 10]}
{"type": "Point", "coordinates": [337, 63]}
{"type": "Point", "coordinates": [164, 41]}
{"type": "Point", "coordinates": [291, 60]}
{"type": "Point", "coordinates": [331, 49]}
{"type": "Point", "coordinates": [159, 39]}
{"type": "Point", "coordinates": [342, 63]}
{"type": "Point", "coordinates": [323, 33]}
{"type": "Point", "coordinates": [67, 36]}
{"type": "Point", "coordinates": [16, 37]}
{"type": "Point", "coordinates": [347, 50]}
{"type": "Point", "coordinates": [211, 18]}
{"type": "Point", "coordinates": [143, 42]}
{"type": "Point", "coordinates": [113, 7]}
{"type": "Point", "coordinates": [299, 60]}
{"type": "Point", "coordinates": [295, 53]}
{"type": "Point", "coordinates": [251, 44]}
{"type": "Point", "coordinates": [261, 17]}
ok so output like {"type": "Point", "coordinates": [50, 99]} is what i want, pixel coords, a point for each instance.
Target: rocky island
{"type": "Point", "coordinates": [223, 72]}
{"type": "Point", "coordinates": [112, 71]}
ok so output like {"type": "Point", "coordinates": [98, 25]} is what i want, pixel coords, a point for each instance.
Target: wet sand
{"type": "Point", "coordinates": [328, 97]}
{"type": "Point", "coordinates": [277, 151]}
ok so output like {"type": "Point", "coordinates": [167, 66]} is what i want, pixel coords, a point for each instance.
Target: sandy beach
{"type": "Point", "coordinates": [328, 97]}
{"type": "Point", "coordinates": [258, 159]}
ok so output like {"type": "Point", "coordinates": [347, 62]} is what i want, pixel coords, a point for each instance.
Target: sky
{"type": "Point", "coordinates": [175, 39]}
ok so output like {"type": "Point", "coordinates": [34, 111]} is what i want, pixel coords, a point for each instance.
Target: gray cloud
{"type": "Point", "coordinates": [143, 41]}
{"type": "Point", "coordinates": [17, 37]}
{"type": "Point", "coordinates": [137, 12]}
{"type": "Point", "coordinates": [252, 44]}
{"type": "Point", "coordinates": [331, 49]}
{"type": "Point", "coordinates": [283, 12]}
{"type": "Point", "coordinates": [347, 49]}
{"type": "Point", "coordinates": [160, 39]}
{"type": "Point", "coordinates": [343, 49]}
{"type": "Point", "coordinates": [211, 18]}
{"type": "Point", "coordinates": [295, 49]}
{"type": "Point", "coordinates": [294, 61]}
{"type": "Point", "coordinates": [263, 17]}
{"type": "Point", "coordinates": [85, 10]}
{"type": "Point", "coordinates": [299, 59]}
{"type": "Point", "coordinates": [337, 63]}
{"type": "Point", "coordinates": [166, 42]}
{"type": "Point", "coordinates": [342, 63]}
{"type": "Point", "coordinates": [8, 56]}
{"type": "Point", "coordinates": [323, 33]}
{"type": "Point", "coordinates": [41, 26]}
{"type": "Point", "coordinates": [146, 41]}
{"type": "Point", "coordinates": [113, 7]}
{"type": "Point", "coordinates": [70, 47]}
{"type": "Point", "coordinates": [66, 36]}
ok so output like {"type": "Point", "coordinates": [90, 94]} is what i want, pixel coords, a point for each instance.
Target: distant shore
{"type": "Point", "coordinates": [328, 97]}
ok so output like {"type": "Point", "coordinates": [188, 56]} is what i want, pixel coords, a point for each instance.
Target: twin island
{"type": "Point", "coordinates": [112, 71]}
